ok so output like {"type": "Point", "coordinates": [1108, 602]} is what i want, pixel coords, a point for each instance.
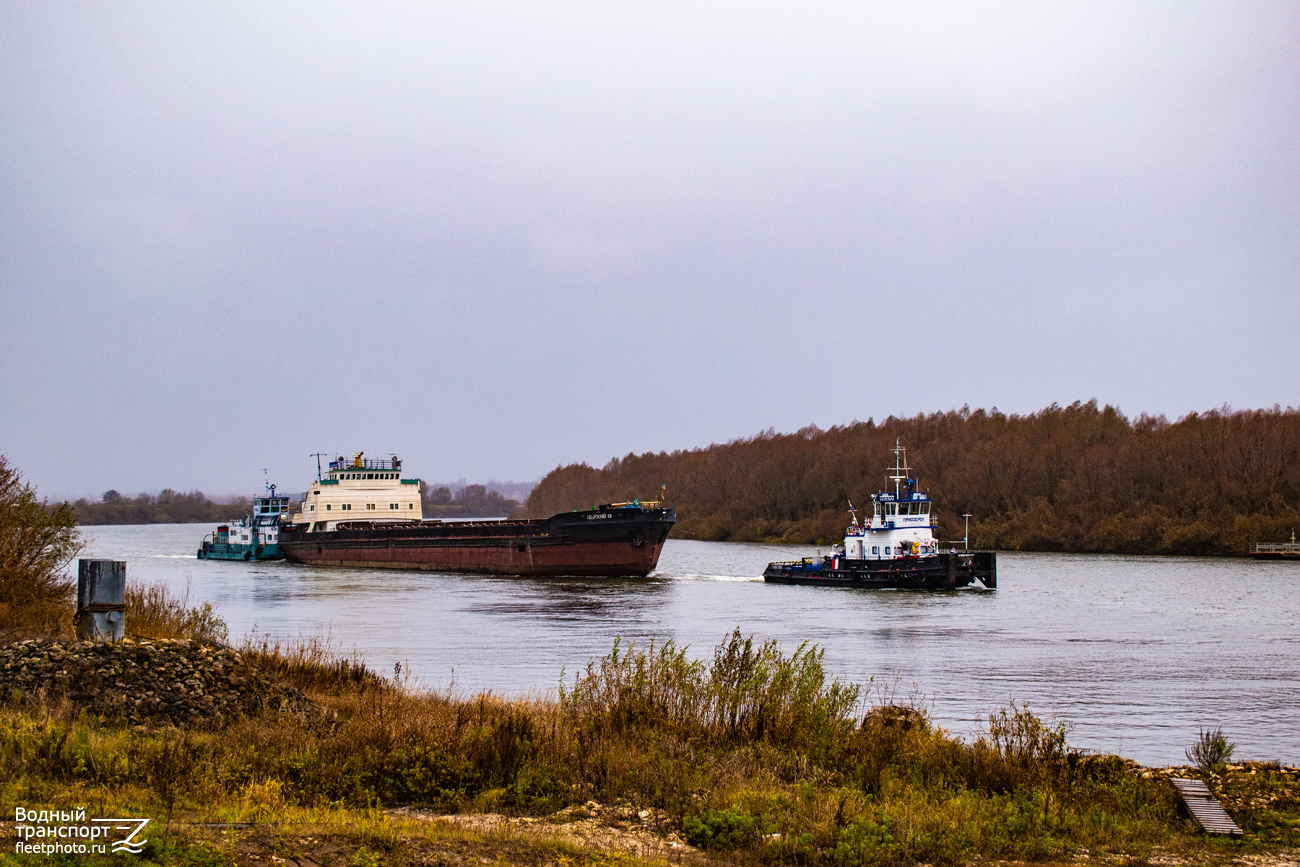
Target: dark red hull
{"type": "Point", "coordinates": [601, 542]}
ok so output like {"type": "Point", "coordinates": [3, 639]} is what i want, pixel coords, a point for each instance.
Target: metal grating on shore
{"type": "Point", "coordinates": [1205, 808]}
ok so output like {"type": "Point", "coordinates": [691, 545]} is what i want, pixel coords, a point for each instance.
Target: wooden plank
{"type": "Point", "coordinates": [1205, 808]}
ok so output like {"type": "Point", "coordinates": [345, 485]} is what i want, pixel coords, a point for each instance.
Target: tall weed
{"type": "Point", "coordinates": [313, 663]}
{"type": "Point", "coordinates": [1211, 750]}
{"type": "Point", "coordinates": [749, 694]}
{"type": "Point", "coordinates": [153, 611]}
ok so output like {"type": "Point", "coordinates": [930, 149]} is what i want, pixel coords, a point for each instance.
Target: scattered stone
{"type": "Point", "coordinates": [147, 682]}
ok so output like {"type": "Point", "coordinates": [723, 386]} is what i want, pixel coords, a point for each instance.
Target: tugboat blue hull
{"type": "Point", "coordinates": [226, 551]}
{"type": "Point", "coordinates": [944, 571]}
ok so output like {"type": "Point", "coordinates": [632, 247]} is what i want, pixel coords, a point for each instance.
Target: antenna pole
{"type": "Point", "coordinates": [901, 468]}
{"type": "Point", "coordinates": [317, 456]}
{"type": "Point", "coordinates": [965, 541]}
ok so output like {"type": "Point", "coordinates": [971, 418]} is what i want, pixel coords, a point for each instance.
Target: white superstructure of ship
{"type": "Point", "coordinates": [359, 489]}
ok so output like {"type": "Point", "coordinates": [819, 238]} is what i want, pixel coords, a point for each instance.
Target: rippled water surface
{"type": "Point", "coordinates": [1136, 652]}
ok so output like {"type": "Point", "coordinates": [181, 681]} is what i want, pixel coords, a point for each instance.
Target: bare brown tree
{"type": "Point", "coordinates": [37, 542]}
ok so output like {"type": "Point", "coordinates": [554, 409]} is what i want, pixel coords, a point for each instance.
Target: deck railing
{"type": "Point", "coordinates": [1277, 548]}
{"type": "Point", "coordinates": [366, 464]}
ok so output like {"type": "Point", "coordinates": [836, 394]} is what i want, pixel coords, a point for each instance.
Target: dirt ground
{"type": "Point", "coordinates": [645, 834]}
{"type": "Point", "coordinates": [587, 835]}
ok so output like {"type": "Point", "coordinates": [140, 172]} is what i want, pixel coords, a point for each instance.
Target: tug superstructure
{"type": "Point", "coordinates": [256, 537]}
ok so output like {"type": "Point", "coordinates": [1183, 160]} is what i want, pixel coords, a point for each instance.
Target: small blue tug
{"type": "Point", "coordinates": [256, 537]}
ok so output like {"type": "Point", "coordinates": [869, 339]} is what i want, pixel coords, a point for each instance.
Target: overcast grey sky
{"type": "Point", "coordinates": [494, 238]}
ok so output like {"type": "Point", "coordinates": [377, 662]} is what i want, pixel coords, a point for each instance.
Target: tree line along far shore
{"type": "Point", "coordinates": [1077, 478]}
{"type": "Point", "coordinates": [174, 507]}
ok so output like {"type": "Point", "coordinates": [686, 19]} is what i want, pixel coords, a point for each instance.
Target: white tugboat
{"type": "Point", "coordinates": [894, 547]}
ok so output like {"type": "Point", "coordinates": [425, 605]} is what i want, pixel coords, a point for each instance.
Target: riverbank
{"type": "Point", "coordinates": [755, 757]}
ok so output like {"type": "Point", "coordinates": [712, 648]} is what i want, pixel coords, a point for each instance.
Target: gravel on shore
{"type": "Point", "coordinates": [147, 682]}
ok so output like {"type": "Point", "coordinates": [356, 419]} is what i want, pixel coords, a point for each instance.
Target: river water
{"type": "Point", "coordinates": [1137, 653]}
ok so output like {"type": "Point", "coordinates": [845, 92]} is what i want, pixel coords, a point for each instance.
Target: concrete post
{"type": "Point", "coordinates": [101, 600]}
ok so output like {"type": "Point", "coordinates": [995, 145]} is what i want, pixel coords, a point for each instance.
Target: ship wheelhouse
{"type": "Point", "coordinates": [360, 489]}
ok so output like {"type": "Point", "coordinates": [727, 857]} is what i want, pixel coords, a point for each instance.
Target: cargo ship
{"type": "Point", "coordinates": [253, 538]}
{"type": "Point", "coordinates": [894, 547]}
{"type": "Point", "coordinates": [363, 513]}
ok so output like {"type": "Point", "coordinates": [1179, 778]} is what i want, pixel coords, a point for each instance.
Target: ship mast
{"type": "Point", "coordinates": [901, 469]}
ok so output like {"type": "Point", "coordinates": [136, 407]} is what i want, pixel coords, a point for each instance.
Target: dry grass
{"type": "Point", "coordinates": [313, 664]}
{"type": "Point", "coordinates": [756, 756]}
{"type": "Point", "coordinates": [152, 611]}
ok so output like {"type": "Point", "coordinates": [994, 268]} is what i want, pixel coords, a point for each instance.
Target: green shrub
{"type": "Point", "coordinates": [721, 829]}
{"type": "Point", "coordinates": [1211, 750]}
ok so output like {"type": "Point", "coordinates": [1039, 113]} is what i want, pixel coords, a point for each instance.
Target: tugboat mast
{"type": "Point", "coordinates": [901, 469]}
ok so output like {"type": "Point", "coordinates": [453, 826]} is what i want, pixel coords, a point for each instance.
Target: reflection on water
{"type": "Point", "coordinates": [1137, 652]}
